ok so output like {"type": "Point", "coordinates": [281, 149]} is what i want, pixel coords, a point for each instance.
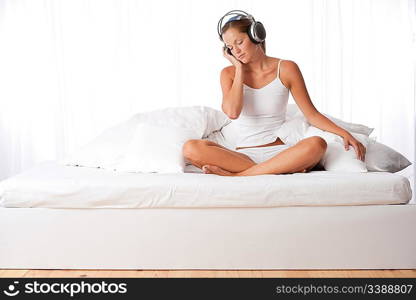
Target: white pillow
{"type": "Point", "coordinates": [202, 119]}
{"type": "Point", "coordinates": [107, 150]}
{"type": "Point", "coordinates": [294, 111]}
{"type": "Point", "coordinates": [218, 137]}
{"type": "Point", "coordinates": [378, 158]}
{"type": "Point", "coordinates": [381, 158]}
{"type": "Point", "coordinates": [229, 134]}
{"type": "Point", "coordinates": [351, 127]}
{"type": "Point", "coordinates": [329, 137]}
{"type": "Point", "coordinates": [293, 130]}
{"type": "Point", "coordinates": [156, 149]}
{"type": "Point", "coordinates": [336, 158]}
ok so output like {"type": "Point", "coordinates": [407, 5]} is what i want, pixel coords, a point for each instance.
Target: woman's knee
{"type": "Point", "coordinates": [192, 148]}
{"type": "Point", "coordinates": [316, 145]}
{"type": "Point", "coordinates": [319, 142]}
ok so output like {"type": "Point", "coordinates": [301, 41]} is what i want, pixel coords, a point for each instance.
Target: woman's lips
{"type": "Point", "coordinates": [240, 56]}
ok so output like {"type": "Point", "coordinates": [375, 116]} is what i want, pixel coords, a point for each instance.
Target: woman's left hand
{"type": "Point", "coordinates": [358, 147]}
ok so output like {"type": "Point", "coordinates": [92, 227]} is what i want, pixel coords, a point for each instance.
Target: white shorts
{"type": "Point", "coordinates": [261, 154]}
{"type": "Point", "coordinates": [257, 154]}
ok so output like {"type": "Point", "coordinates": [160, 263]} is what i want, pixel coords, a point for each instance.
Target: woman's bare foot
{"type": "Point", "coordinates": [210, 169]}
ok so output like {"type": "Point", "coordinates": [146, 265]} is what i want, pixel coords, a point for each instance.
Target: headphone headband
{"type": "Point", "coordinates": [240, 15]}
{"type": "Point", "coordinates": [256, 31]}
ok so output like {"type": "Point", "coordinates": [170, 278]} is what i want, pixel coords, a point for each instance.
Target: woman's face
{"type": "Point", "coordinates": [240, 44]}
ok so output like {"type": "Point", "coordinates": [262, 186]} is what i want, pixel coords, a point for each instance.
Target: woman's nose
{"type": "Point", "coordinates": [237, 50]}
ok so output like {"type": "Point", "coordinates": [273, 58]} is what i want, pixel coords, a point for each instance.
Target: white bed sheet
{"type": "Point", "coordinates": [51, 185]}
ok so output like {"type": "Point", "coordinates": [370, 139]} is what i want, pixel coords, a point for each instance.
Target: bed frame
{"type": "Point", "coordinates": [320, 237]}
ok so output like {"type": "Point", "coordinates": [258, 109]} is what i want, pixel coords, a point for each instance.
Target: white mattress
{"type": "Point", "coordinates": [319, 237]}
{"type": "Point", "coordinates": [51, 185]}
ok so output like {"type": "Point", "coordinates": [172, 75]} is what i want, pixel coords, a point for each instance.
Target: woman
{"type": "Point", "coordinates": [255, 94]}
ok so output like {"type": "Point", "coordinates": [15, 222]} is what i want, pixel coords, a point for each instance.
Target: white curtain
{"type": "Point", "coordinates": [70, 68]}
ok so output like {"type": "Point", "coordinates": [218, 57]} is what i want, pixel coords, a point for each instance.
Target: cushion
{"type": "Point", "coordinates": [336, 158]}
{"type": "Point", "coordinates": [202, 119]}
{"type": "Point", "coordinates": [105, 150]}
{"type": "Point", "coordinates": [108, 150]}
{"type": "Point", "coordinates": [293, 130]}
{"type": "Point", "coordinates": [378, 158]}
{"type": "Point", "coordinates": [293, 111]}
{"type": "Point", "coordinates": [381, 158]}
{"type": "Point", "coordinates": [351, 127]}
{"type": "Point", "coordinates": [156, 149]}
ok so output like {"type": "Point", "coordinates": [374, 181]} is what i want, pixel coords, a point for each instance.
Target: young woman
{"type": "Point", "coordinates": [255, 95]}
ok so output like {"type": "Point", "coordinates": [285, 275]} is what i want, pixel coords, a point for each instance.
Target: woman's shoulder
{"type": "Point", "coordinates": [289, 72]}
{"type": "Point", "coordinates": [228, 70]}
{"type": "Point", "coordinates": [287, 64]}
{"type": "Point", "coordinates": [284, 63]}
{"type": "Point", "coordinates": [228, 73]}
{"type": "Point", "coordinates": [288, 67]}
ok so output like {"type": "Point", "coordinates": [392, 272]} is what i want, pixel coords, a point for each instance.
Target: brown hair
{"type": "Point", "coordinates": [242, 26]}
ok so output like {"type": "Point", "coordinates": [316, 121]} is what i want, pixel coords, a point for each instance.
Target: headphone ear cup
{"type": "Point", "coordinates": [257, 32]}
{"type": "Point", "coordinates": [260, 31]}
{"type": "Point", "coordinates": [251, 35]}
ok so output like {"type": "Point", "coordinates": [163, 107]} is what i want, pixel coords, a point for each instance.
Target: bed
{"type": "Point", "coordinates": [61, 217]}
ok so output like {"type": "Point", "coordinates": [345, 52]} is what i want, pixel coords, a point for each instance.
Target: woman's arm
{"type": "Point", "coordinates": [232, 91]}
{"type": "Point", "coordinates": [292, 76]}
{"type": "Point", "coordinates": [232, 86]}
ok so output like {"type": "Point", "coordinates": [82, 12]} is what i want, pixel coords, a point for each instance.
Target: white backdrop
{"type": "Point", "coordinates": [69, 69]}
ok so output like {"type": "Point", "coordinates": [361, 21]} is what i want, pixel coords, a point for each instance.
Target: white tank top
{"type": "Point", "coordinates": [263, 113]}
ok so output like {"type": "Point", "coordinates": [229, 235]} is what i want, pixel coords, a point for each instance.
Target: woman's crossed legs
{"type": "Point", "coordinates": [216, 159]}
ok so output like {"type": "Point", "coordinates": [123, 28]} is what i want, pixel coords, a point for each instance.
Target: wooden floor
{"type": "Point", "coordinates": [210, 273]}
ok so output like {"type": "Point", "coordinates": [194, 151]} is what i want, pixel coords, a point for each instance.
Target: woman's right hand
{"type": "Point", "coordinates": [231, 58]}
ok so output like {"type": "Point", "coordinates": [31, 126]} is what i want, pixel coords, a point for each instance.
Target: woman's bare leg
{"type": "Point", "coordinates": [203, 152]}
{"type": "Point", "coordinates": [300, 158]}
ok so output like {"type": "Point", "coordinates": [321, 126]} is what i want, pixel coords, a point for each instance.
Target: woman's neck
{"type": "Point", "coordinates": [258, 64]}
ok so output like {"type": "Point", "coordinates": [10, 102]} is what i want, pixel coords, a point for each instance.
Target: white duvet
{"type": "Point", "coordinates": [52, 185]}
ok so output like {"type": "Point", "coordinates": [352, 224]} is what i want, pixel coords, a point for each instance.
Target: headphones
{"type": "Point", "coordinates": [256, 31]}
